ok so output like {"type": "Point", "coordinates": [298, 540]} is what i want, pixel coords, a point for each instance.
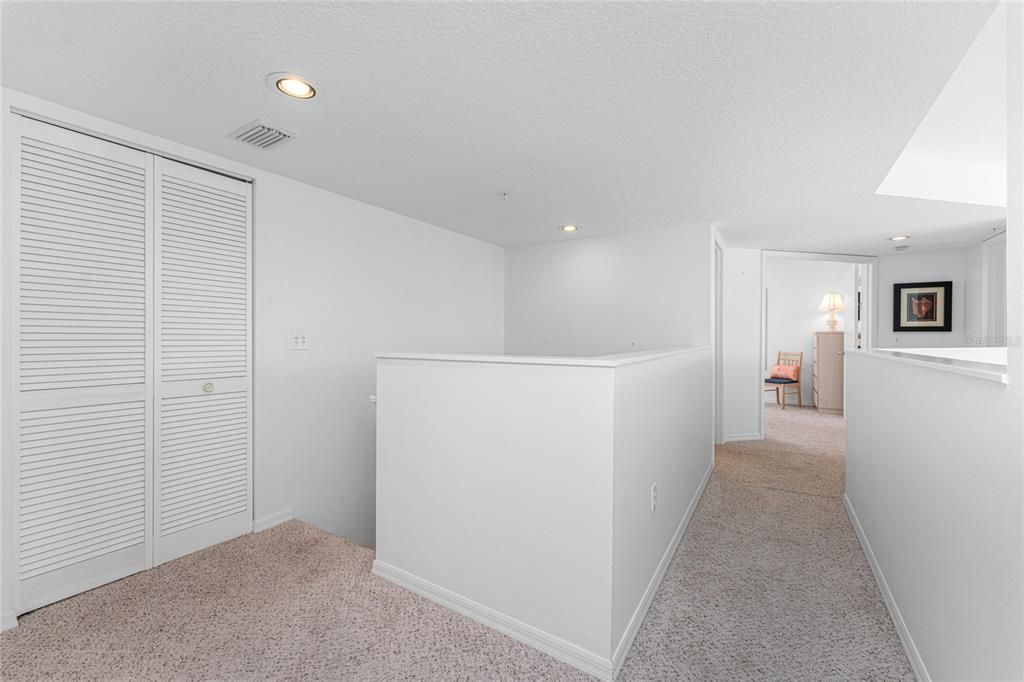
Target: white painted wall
{"type": "Point", "coordinates": [495, 483]}
{"type": "Point", "coordinates": [599, 295]}
{"type": "Point", "coordinates": [933, 474]}
{"type": "Point", "coordinates": [519, 493]}
{"type": "Point", "coordinates": [930, 266]}
{"type": "Point", "coordinates": [794, 289]}
{"type": "Point", "coordinates": [663, 436]}
{"type": "Point", "coordinates": [1015, 202]}
{"type": "Point", "coordinates": [979, 293]}
{"type": "Point", "coordinates": [356, 279]}
{"type": "Point", "coordinates": [1015, 242]}
{"type": "Point", "coordinates": [993, 259]}
{"type": "Point", "coordinates": [1015, 225]}
{"type": "Point", "coordinates": [974, 298]}
{"type": "Point", "coordinates": [742, 366]}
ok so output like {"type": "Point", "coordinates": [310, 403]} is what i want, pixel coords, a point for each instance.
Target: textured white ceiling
{"type": "Point", "coordinates": [775, 121]}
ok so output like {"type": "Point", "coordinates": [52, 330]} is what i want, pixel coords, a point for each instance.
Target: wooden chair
{"type": "Point", "coordinates": [780, 385]}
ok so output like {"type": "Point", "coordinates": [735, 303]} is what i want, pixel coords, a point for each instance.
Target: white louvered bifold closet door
{"type": "Point", "coordinates": [203, 412]}
{"type": "Point", "coordinates": [82, 362]}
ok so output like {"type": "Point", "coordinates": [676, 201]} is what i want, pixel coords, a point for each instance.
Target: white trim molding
{"type": "Point", "coordinates": [633, 628]}
{"type": "Point", "coordinates": [270, 520]}
{"type": "Point", "coordinates": [732, 438]}
{"type": "Point", "coordinates": [916, 662]}
{"type": "Point", "coordinates": [555, 647]}
{"type": "Point", "coordinates": [936, 361]}
{"type": "Point", "coordinates": [614, 360]}
{"type": "Point", "coordinates": [8, 621]}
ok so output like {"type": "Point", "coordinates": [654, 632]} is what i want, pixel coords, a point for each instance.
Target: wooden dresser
{"type": "Point", "coordinates": [827, 386]}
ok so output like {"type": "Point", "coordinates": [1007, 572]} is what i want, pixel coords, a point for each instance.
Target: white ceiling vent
{"type": "Point", "coordinates": [259, 134]}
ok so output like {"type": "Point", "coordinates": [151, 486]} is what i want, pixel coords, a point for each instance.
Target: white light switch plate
{"type": "Point", "coordinates": [299, 341]}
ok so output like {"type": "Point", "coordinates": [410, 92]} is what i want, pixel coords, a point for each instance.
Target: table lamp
{"type": "Point", "coordinates": [831, 302]}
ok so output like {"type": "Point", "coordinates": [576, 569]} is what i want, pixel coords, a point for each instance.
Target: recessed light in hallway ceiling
{"type": "Point", "coordinates": [292, 85]}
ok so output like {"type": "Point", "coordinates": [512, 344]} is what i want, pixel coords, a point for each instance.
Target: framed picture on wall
{"type": "Point", "coordinates": [922, 307]}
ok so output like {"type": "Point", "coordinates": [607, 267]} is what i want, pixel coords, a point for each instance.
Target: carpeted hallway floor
{"type": "Point", "coordinates": [769, 583]}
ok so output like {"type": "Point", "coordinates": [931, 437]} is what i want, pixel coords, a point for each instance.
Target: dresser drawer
{"type": "Point", "coordinates": [827, 372]}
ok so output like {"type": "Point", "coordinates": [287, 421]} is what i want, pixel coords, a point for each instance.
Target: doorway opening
{"type": "Point", "coordinates": [815, 308]}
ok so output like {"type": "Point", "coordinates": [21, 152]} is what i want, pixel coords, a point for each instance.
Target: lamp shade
{"type": "Point", "coordinates": [830, 302]}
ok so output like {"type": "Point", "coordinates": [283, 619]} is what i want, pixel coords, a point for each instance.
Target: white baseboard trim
{"type": "Point", "coordinates": [8, 620]}
{"type": "Point", "coordinates": [271, 520]}
{"type": "Point", "coordinates": [633, 628]}
{"type": "Point", "coordinates": [64, 590]}
{"type": "Point", "coordinates": [916, 662]}
{"type": "Point", "coordinates": [742, 436]}
{"type": "Point", "coordinates": [556, 647]}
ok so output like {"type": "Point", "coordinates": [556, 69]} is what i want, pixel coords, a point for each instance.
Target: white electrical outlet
{"type": "Point", "coordinates": [300, 341]}
{"type": "Point", "coordinates": [654, 497]}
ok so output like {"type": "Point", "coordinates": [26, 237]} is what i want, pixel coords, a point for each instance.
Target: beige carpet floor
{"type": "Point", "coordinates": [769, 584]}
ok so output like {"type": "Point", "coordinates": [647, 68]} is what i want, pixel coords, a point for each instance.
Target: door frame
{"type": "Point", "coordinates": [869, 303]}
{"type": "Point", "coordinates": [717, 287]}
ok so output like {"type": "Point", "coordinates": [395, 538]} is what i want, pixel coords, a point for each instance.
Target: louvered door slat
{"type": "Point", "coordinates": [112, 501]}
{"type": "Point", "coordinates": [83, 362]}
{"type": "Point", "coordinates": [187, 210]}
{"type": "Point", "coordinates": [91, 234]}
{"type": "Point", "coordinates": [74, 468]}
{"type": "Point", "coordinates": [82, 205]}
{"type": "Point", "coordinates": [204, 413]}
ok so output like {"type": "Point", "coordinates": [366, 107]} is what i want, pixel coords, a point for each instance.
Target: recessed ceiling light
{"type": "Point", "coordinates": [292, 84]}
{"type": "Point", "coordinates": [568, 228]}
{"type": "Point", "coordinates": [900, 238]}
{"type": "Point", "coordinates": [293, 87]}
{"type": "Point", "coordinates": [902, 247]}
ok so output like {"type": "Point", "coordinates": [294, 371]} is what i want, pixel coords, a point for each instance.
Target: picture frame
{"type": "Point", "coordinates": [922, 307]}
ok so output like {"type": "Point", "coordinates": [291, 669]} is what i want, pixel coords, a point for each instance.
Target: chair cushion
{"type": "Point", "coordinates": [791, 372]}
{"type": "Point", "coordinates": [773, 380]}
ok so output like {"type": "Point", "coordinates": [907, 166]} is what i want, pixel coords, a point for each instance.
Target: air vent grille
{"type": "Point", "coordinates": [259, 134]}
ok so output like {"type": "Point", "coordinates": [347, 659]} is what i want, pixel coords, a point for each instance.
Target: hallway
{"type": "Point", "coordinates": [770, 584]}
{"type": "Point", "coordinates": [770, 581]}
